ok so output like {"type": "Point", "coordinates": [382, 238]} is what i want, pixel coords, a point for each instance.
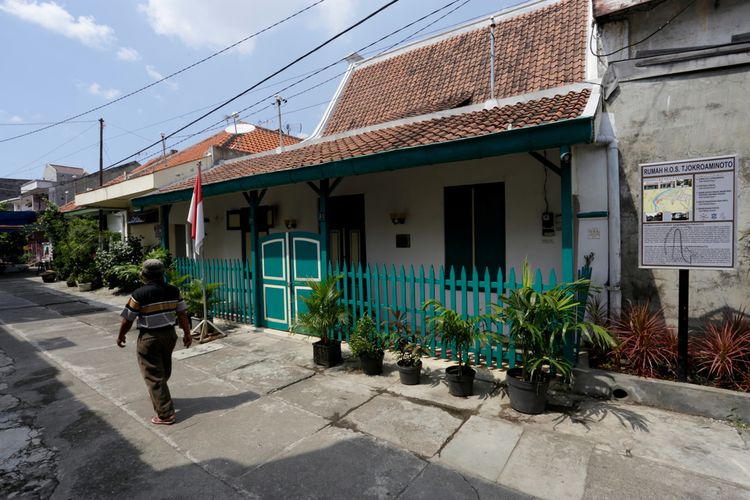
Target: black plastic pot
{"type": "Point", "coordinates": [49, 276]}
{"type": "Point", "coordinates": [526, 397]}
{"type": "Point", "coordinates": [409, 375]}
{"type": "Point", "coordinates": [460, 380]}
{"type": "Point", "coordinates": [327, 354]}
{"type": "Point", "coordinates": [372, 365]}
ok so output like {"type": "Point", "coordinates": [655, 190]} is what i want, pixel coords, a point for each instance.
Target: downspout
{"type": "Point", "coordinates": [492, 58]}
{"type": "Point", "coordinates": [606, 136]}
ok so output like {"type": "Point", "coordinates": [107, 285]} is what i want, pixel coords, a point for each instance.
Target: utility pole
{"type": "Point", "coordinates": [102, 222]}
{"type": "Point", "coordinates": [163, 148]}
{"type": "Point", "coordinates": [279, 101]}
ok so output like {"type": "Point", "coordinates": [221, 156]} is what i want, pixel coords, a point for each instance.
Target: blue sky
{"type": "Point", "coordinates": [64, 58]}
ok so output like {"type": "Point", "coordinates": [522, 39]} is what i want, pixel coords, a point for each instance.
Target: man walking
{"type": "Point", "coordinates": [157, 306]}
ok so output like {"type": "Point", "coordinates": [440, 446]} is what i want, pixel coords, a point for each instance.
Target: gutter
{"type": "Point", "coordinates": [564, 132]}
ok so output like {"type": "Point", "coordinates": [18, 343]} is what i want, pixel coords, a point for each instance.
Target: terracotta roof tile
{"type": "Point", "coordinates": [428, 131]}
{"type": "Point", "coordinates": [259, 140]}
{"type": "Point", "coordinates": [542, 49]}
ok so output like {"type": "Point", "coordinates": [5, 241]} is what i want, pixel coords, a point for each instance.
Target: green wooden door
{"type": "Point", "coordinates": [289, 260]}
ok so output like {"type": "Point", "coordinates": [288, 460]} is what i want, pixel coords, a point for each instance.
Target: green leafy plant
{"type": "Point", "coordinates": [722, 352]}
{"type": "Point", "coordinates": [645, 346]}
{"type": "Point", "coordinates": [408, 350]}
{"type": "Point", "coordinates": [541, 321]}
{"type": "Point", "coordinates": [193, 296]}
{"type": "Point", "coordinates": [119, 253]}
{"type": "Point", "coordinates": [324, 309]}
{"type": "Point", "coordinates": [365, 340]}
{"type": "Point", "coordinates": [448, 326]}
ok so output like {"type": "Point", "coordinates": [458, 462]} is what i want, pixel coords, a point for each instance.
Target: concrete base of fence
{"type": "Point", "coordinates": [676, 396]}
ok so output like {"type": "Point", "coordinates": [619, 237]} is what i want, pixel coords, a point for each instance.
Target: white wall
{"type": "Point", "coordinates": [418, 193]}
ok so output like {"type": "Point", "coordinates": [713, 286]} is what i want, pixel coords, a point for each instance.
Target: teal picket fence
{"type": "Point", "coordinates": [234, 294]}
{"type": "Point", "coordinates": [378, 291]}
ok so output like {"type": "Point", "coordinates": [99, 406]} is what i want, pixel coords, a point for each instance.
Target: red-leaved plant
{"type": "Point", "coordinates": [644, 342]}
{"type": "Point", "coordinates": [723, 351]}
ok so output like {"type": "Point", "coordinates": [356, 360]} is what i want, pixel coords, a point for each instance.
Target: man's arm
{"type": "Point", "coordinates": [182, 320]}
{"type": "Point", "coordinates": [124, 327]}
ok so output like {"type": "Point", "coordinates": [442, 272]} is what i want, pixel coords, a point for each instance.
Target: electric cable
{"type": "Point", "coordinates": [282, 69]}
{"type": "Point", "coordinates": [23, 167]}
{"type": "Point", "coordinates": [664, 25]}
{"type": "Point", "coordinates": [182, 70]}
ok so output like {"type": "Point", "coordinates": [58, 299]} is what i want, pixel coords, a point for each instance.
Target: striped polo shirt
{"type": "Point", "coordinates": [155, 305]}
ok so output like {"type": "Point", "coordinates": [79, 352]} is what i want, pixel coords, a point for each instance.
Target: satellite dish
{"type": "Point", "coordinates": [239, 128]}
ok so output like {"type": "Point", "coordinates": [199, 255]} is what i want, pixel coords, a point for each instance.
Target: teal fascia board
{"type": "Point", "coordinates": [552, 135]}
{"type": "Point", "coordinates": [601, 214]}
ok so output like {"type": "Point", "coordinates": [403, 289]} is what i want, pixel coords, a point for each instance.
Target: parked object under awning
{"type": "Point", "coordinates": [15, 221]}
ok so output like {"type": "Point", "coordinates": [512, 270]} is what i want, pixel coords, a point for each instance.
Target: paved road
{"type": "Point", "coordinates": [257, 419]}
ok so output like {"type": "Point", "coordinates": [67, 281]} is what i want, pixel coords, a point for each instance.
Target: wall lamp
{"type": "Point", "coordinates": [290, 223]}
{"type": "Point", "coordinates": [398, 218]}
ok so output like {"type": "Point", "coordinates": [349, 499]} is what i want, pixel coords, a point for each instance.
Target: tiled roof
{"type": "Point", "coordinates": [541, 49]}
{"type": "Point", "coordinates": [418, 133]}
{"type": "Point", "coordinates": [69, 207]}
{"type": "Point", "coordinates": [260, 139]}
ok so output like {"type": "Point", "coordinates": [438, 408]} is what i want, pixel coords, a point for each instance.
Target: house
{"type": "Point", "coordinates": [445, 163]}
{"type": "Point", "coordinates": [11, 188]}
{"type": "Point", "coordinates": [116, 194]}
{"type": "Point", "coordinates": [676, 77]}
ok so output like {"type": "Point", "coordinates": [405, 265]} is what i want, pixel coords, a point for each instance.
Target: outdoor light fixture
{"type": "Point", "coordinates": [290, 223]}
{"type": "Point", "coordinates": [398, 218]}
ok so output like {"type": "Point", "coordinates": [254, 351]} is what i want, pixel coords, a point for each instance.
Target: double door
{"type": "Point", "coordinates": [288, 262]}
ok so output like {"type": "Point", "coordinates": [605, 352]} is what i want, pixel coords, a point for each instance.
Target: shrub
{"type": "Point", "coordinates": [645, 344]}
{"type": "Point", "coordinates": [365, 339]}
{"type": "Point", "coordinates": [722, 352]}
{"type": "Point", "coordinates": [120, 253]}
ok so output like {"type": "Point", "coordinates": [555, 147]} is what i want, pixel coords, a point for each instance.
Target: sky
{"type": "Point", "coordinates": [63, 58]}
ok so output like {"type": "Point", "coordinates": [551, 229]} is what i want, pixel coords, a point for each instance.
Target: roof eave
{"type": "Point", "coordinates": [560, 133]}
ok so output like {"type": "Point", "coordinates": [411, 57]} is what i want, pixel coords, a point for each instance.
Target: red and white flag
{"type": "Point", "coordinates": [195, 215]}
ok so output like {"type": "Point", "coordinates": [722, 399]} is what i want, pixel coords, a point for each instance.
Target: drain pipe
{"type": "Point", "coordinates": [607, 136]}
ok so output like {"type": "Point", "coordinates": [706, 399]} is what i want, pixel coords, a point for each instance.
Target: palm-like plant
{"type": "Point", "coordinates": [540, 322]}
{"type": "Point", "coordinates": [324, 309]}
{"type": "Point", "coordinates": [451, 328]}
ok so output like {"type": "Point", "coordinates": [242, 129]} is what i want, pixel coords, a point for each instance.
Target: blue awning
{"type": "Point", "coordinates": [15, 221]}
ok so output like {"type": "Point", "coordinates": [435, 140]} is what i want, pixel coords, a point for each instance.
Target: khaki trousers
{"type": "Point", "coordinates": [155, 362]}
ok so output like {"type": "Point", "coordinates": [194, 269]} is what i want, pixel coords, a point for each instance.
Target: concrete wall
{"type": "Point", "coordinates": [685, 111]}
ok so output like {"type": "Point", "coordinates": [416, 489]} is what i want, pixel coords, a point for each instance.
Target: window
{"type": "Point", "coordinates": [475, 227]}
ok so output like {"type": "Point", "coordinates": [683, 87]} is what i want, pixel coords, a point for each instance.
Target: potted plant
{"type": "Point", "coordinates": [193, 296]}
{"type": "Point", "coordinates": [49, 276]}
{"type": "Point", "coordinates": [408, 350]}
{"type": "Point", "coordinates": [368, 345]}
{"type": "Point", "coordinates": [87, 279]}
{"type": "Point", "coordinates": [539, 324]}
{"type": "Point", "coordinates": [324, 313]}
{"type": "Point", "coordinates": [452, 329]}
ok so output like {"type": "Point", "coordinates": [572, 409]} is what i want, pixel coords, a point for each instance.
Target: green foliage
{"type": "Point", "coordinates": [324, 311]}
{"type": "Point", "coordinates": [366, 340]}
{"type": "Point", "coordinates": [540, 322]}
{"type": "Point", "coordinates": [11, 246]}
{"type": "Point", "coordinates": [451, 328]}
{"type": "Point", "coordinates": [408, 350]}
{"type": "Point", "coordinates": [120, 253]}
{"type": "Point", "coordinates": [722, 352]}
{"type": "Point", "coordinates": [161, 254]}
{"type": "Point", "coordinates": [193, 296]}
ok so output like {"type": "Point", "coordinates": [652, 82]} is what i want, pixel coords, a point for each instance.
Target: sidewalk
{"type": "Point", "coordinates": [258, 419]}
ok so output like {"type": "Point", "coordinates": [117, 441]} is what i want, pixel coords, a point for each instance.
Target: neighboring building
{"type": "Point", "coordinates": [471, 150]}
{"type": "Point", "coordinates": [11, 188]}
{"type": "Point", "coordinates": [677, 81]}
{"type": "Point", "coordinates": [62, 173]}
{"type": "Point", "coordinates": [35, 193]}
{"type": "Point", "coordinates": [65, 191]}
{"type": "Point", "coordinates": [117, 193]}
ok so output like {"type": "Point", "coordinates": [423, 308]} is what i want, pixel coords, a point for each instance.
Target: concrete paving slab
{"type": "Point", "coordinates": [25, 315]}
{"type": "Point", "coordinates": [328, 397]}
{"type": "Point", "coordinates": [107, 322]}
{"type": "Point", "coordinates": [75, 308]}
{"type": "Point", "coordinates": [351, 369]}
{"type": "Point", "coordinates": [481, 447]}
{"type": "Point", "coordinates": [268, 376]}
{"type": "Point", "coordinates": [434, 388]}
{"type": "Point", "coordinates": [221, 363]}
{"type": "Point", "coordinates": [197, 350]}
{"type": "Point", "coordinates": [696, 444]}
{"type": "Point", "coordinates": [646, 480]}
{"type": "Point", "coordinates": [548, 465]}
{"type": "Point", "coordinates": [437, 482]}
{"type": "Point", "coordinates": [260, 430]}
{"type": "Point", "coordinates": [422, 429]}
{"type": "Point", "coordinates": [335, 464]}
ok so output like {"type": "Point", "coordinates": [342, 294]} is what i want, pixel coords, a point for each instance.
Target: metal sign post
{"type": "Point", "coordinates": [687, 222]}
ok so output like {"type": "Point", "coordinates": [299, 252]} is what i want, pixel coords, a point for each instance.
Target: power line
{"type": "Point", "coordinates": [284, 68]}
{"type": "Point", "coordinates": [129, 94]}
{"type": "Point", "coordinates": [318, 71]}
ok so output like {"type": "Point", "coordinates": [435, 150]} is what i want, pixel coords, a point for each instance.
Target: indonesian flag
{"type": "Point", "coordinates": [195, 215]}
